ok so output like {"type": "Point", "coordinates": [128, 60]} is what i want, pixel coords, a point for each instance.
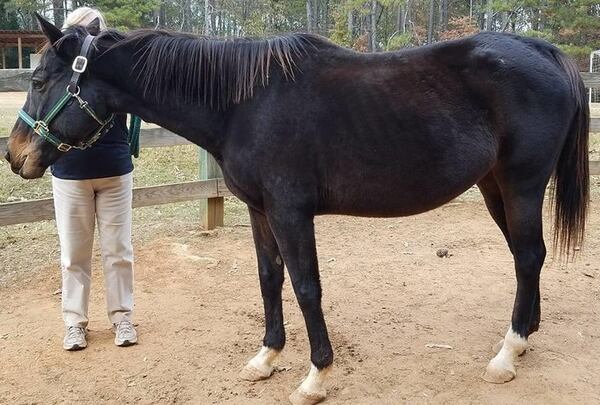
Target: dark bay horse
{"type": "Point", "coordinates": [302, 127]}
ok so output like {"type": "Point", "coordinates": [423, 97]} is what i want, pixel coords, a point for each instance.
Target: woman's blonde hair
{"type": "Point", "coordinates": [83, 16]}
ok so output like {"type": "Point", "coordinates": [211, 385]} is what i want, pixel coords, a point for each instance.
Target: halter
{"type": "Point", "coordinates": [41, 127]}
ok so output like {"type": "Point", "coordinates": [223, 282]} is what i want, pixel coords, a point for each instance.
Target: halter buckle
{"type": "Point", "coordinates": [40, 124]}
{"type": "Point", "coordinates": [63, 147]}
{"type": "Point", "coordinates": [79, 64]}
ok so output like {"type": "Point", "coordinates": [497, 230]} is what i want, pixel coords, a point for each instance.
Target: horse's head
{"type": "Point", "coordinates": [65, 107]}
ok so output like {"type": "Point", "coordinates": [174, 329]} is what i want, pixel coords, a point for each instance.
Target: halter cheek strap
{"type": "Point", "coordinates": [80, 64]}
{"type": "Point", "coordinates": [41, 127]}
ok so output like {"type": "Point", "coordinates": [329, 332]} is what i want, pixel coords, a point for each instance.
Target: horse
{"type": "Point", "coordinates": [302, 127]}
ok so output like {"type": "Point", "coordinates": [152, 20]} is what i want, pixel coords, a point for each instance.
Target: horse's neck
{"type": "Point", "coordinates": [196, 122]}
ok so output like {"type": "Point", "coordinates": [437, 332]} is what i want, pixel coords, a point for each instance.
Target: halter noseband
{"type": "Point", "coordinates": [41, 127]}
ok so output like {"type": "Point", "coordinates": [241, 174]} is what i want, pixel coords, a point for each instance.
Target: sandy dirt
{"type": "Point", "coordinates": [386, 296]}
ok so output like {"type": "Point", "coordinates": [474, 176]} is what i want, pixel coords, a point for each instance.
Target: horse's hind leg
{"type": "Point", "coordinates": [495, 204]}
{"type": "Point", "coordinates": [270, 270]}
{"type": "Point", "coordinates": [523, 209]}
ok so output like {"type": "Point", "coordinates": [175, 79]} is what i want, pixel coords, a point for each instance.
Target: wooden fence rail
{"type": "Point", "coordinates": [39, 210]}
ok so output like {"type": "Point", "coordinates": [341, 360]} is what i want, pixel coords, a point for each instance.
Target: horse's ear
{"type": "Point", "coordinates": [50, 31]}
{"type": "Point", "coordinates": [94, 27]}
{"type": "Point", "coordinates": [64, 45]}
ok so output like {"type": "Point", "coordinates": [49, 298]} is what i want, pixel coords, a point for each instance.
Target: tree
{"type": "Point", "coordinates": [58, 12]}
{"type": "Point", "coordinates": [365, 25]}
{"type": "Point", "coordinates": [310, 16]}
{"type": "Point", "coordinates": [9, 19]}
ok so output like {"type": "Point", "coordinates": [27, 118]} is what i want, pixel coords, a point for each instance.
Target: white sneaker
{"type": "Point", "coordinates": [74, 338]}
{"type": "Point", "coordinates": [125, 334]}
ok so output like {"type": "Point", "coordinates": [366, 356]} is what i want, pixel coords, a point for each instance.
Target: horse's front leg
{"type": "Point", "coordinates": [270, 271]}
{"type": "Point", "coordinates": [295, 236]}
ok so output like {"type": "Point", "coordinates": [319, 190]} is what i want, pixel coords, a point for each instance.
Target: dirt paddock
{"type": "Point", "coordinates": [386, 297]}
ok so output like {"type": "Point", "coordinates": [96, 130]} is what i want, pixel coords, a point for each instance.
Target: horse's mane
{"type": "Point", "coordinates": [183, 68]}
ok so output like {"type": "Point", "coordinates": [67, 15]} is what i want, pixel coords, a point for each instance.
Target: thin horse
{"type": "Point", "coordinates": [302, 127]}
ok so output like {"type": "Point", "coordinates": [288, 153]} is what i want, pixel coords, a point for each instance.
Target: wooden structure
{"type": "Point", "coordinates": [19, 40]}
{"type": "Point", "coordinates": [210, 188]}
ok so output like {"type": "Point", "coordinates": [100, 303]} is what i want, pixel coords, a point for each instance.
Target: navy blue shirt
{"type": "Point", "coordinates": [108, 157]}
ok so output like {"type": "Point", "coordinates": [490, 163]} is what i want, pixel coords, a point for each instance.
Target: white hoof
{"type": "Point", "coordinates": [312, 390]}
{"type": "Point", "coordinates": [501, 368]}
{"type": "Point", "coordinates": [261, 366]}
{"type": "Point", "coordinates": [251, 373]}
{"type": "Point", "coordinates": [498, 372]}
{"type": "Point", "coordinates": [299, 397]}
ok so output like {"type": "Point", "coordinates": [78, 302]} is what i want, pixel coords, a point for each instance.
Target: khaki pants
{"type": "Point", "coordinates": [78, 205]}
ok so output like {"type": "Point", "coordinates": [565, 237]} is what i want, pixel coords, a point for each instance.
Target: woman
{"type": "Point", "coordinates": [95, 185]}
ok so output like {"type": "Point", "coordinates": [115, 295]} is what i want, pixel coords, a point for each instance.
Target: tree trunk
{"type": "Point", "coordinates": [325, 19]}
{"type": "Point", "coordinates": [400, 18]}
{"type": "Point", "coordinates": [208, 17]}
{"type": "Point", "coordinates": [351, 24]}
{"type": "Point", "coordinates": [186, 23]}
{"type": "Point", "coordinates": [408, 16]}
{"type": "Point", "coordinates": [310, 16]}
{"type": "Point", "coordinates": [431, 22]}
{"type": "Point", "coordinates": [444, 15]}
{"type": "Point", "coordinates": [373, 26]}
{"type": "Point", "coordinates": [58, 12]}
{"type": "Point", "coordinates": [489, 16]}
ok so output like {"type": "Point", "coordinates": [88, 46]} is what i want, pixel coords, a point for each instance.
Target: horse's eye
{"type": "Point", "coordinates": [37, 84]}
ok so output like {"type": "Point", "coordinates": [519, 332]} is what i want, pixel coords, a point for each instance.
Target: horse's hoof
{"type": "Point", "coordinates": [299, 397]}
{"type": "Point", "coordinates": [499, 373]}
{"type": "Point", "coordinates": [251, 373]}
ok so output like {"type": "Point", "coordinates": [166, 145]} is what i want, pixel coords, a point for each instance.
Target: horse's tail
{"type": "Point", "coordinates": [571, 187]}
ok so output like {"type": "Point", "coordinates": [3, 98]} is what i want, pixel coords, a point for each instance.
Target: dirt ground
{"type": "Point", "coordinates": [386, 296]}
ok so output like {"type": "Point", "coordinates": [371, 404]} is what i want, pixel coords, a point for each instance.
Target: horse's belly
{"type": "Point", "coordinates": [401, 191]}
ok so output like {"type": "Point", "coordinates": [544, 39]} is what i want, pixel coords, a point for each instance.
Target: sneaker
{"type": "Point", "coordinates": [74, 338]}
{"type": "Point", "coordinates": [125, 334]}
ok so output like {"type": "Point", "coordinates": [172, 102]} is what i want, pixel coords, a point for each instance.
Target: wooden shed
{"type": "Point", "coordinates": [19, 40]}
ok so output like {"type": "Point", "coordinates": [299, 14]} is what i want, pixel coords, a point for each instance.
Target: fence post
{"type": "Point", "coordinates": [20, 52]}
{"type": "Point", "coordinates": [212, 210]}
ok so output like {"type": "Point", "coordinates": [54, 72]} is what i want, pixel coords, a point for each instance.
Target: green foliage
{"type": "Point", "coordinates": [127, 14]}
{"type": "Point", "coordinates": [573, 24]}
{"type": "Point", "coordinates": [399, 41]}
{"type": "Point", "coordinates": [581, 54]}
{"type": "Point", "coordinates": [545, 35]}
{"type": "Point", "coordinates": [8, 16]}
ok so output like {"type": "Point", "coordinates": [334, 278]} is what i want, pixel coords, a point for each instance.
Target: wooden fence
{"type": "Point", "coordinates": [210, 190]}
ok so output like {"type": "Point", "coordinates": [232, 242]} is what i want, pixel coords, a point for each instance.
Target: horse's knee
{"type": "Point", "coordinates": [271, 281]}
{"type": "Point", "coordinates": [309, 296]}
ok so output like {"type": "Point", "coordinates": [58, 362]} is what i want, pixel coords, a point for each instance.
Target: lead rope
{"type": "Point", "coordinates": [135, 124]}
